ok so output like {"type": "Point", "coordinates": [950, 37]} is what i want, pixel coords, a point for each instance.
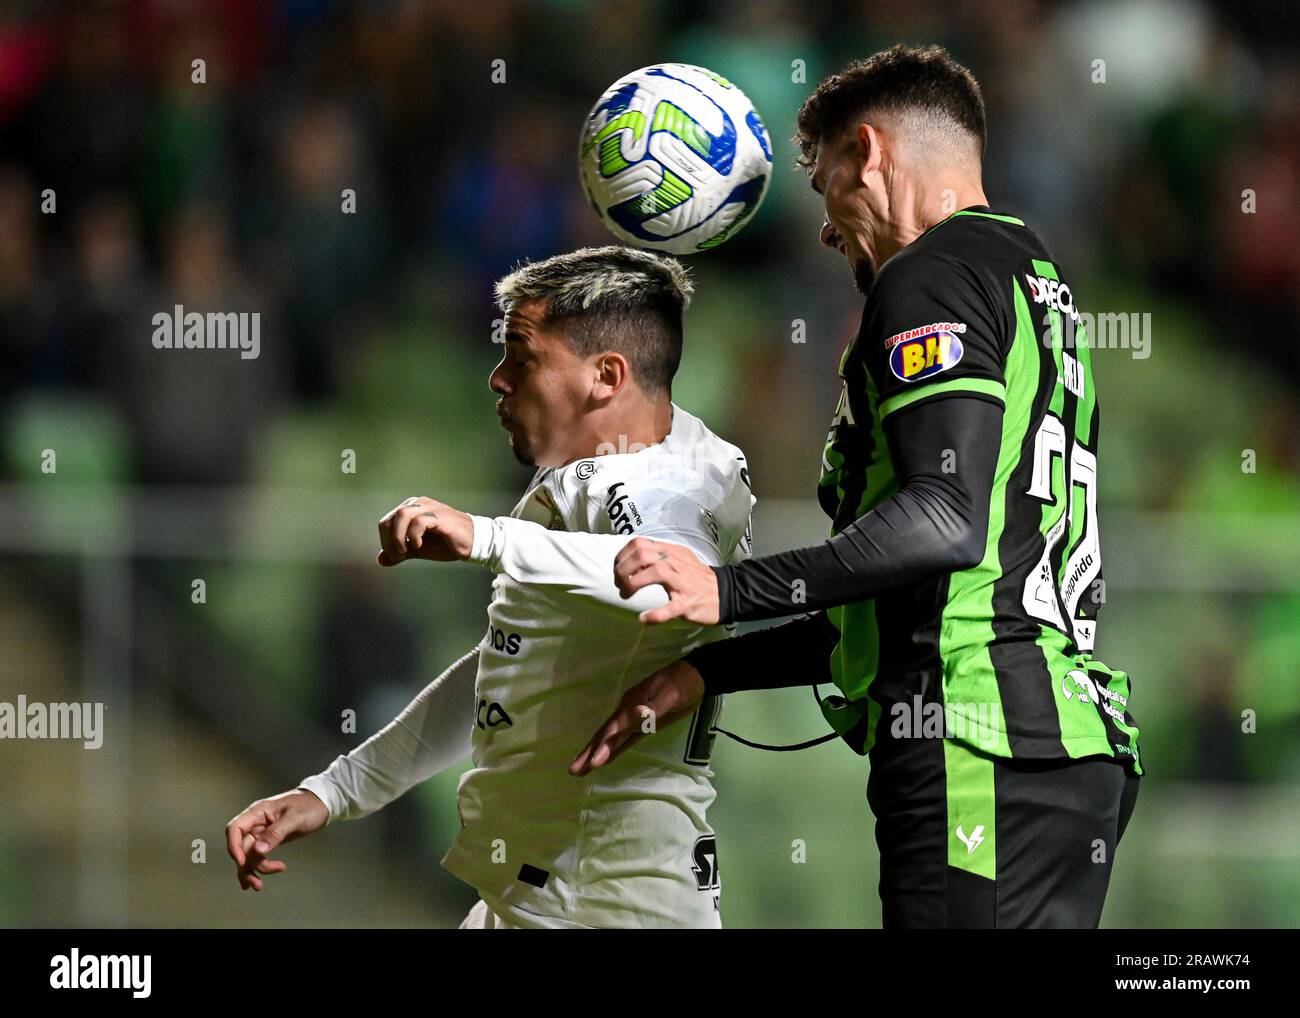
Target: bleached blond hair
{"type": "Point", "coordinates": [610, 298]}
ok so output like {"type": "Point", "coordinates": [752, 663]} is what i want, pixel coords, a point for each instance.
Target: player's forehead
{"type": "Point", "coordinates": [832, 147]}
{"type": "Point", "coordinates": [824, 159]}
{"type": "Point", "coordinates": [526, 321]}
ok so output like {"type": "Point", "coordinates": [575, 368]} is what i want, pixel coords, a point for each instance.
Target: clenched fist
{"type": "Point", "coordinates": [425, 528]}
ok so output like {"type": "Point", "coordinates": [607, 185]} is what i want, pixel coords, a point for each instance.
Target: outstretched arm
{"type": "Point", "coordinates": [795, 653]}
{"type": "Point", "coordinates": [578, 562]}
{"type": "Point", "coordinates": [430, 735]}
{"type": "Point", "coordinates": [945, 453]}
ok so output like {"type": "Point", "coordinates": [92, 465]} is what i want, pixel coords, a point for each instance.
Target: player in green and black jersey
{"type": "Point", "coordinates": [955, 606]}
{"type": "Point", "coordinates": [975, 310]}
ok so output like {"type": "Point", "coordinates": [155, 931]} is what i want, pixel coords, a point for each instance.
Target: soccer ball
{"type": "Point", "coordinates": [675, 158]}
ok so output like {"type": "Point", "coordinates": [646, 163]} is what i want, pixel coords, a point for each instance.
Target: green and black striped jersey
{"type": "Point", "coordinates": [977, 307]}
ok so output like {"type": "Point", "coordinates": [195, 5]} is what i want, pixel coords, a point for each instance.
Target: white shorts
{"type": "Point", "coordinates": [481, 917]}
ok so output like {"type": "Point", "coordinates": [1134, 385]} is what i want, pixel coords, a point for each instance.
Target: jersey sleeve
{"type": "Point", "coordinates": [795, 653]}
{"type": "Point", "coordinates": [933, 329]}
{"type": "Point", "coordinates": [604, 517]}
{"type": "Point", "coordinates": [433, 733]}
{"type": "Point", "coordinates": [936, 522]}
{"type": "Point", "coordinates": [578, 563]}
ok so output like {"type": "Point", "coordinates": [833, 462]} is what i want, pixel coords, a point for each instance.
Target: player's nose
{"type": "Point", "coordinates": [829, 237]}
{"type": "Point", "coordinates": [497, 380]}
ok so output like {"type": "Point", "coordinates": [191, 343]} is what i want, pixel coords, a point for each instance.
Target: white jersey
{"type": "Point", "coordinates": [628, 844]}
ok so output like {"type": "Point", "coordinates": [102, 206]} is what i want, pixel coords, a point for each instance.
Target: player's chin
{"type": "Point", "coordinates": [523, 452]}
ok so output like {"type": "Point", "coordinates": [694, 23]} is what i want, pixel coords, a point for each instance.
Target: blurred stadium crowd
{"type": "Point", "coordinates": [377, 336]}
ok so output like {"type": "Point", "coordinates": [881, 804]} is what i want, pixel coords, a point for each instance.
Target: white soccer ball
{"type": "Point", "coordinates": [675, 158]}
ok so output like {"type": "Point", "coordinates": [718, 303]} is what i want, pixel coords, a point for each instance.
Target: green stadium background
{"type": "Point", "coordinates": [377, 337]}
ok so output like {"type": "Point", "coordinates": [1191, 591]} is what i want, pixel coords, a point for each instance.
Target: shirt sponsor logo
{"type": "Point", "coordinates": [1086, 690]}
{"type": "Point", "coordinates": [1052, 292]}
{"type": "Point", "coordinates": [500, 640]}
{"type": "Point", "coordinates": [924, 351]}
{"type": "Point", "coordinates": [923, 330]}
{"type": "Point", "coordinates": [621, 510]}
{"type": "Point", "coordinates": [489, 714]}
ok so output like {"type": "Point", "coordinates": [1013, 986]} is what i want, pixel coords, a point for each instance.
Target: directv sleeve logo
{"type": "Point", "coordinates": [925, 351]}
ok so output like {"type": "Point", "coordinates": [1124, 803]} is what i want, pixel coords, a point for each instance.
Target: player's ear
{"type": "Point", "coordinates": [868, 153]}
{"type": "Point", "coordinates": [612, 373]}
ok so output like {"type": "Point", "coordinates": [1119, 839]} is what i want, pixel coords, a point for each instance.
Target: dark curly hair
{"type": "Point", "coordinates": [902, 79]}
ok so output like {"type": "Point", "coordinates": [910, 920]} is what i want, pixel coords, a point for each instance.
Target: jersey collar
{"type": "Point", "coordinates": [982, 211]}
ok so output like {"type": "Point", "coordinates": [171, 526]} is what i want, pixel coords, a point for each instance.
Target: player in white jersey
{"type": "Point", "coordinates": [593, 339]}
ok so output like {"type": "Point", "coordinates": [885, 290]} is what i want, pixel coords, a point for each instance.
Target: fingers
{"type": "Point", "coordinates": [632, 557]}
{"type": "Point", "coordinates": [246, 870]}
{"type": "Point", "coordinates": [583, 763]}
{"type": "Point", "coordinates": [663, 573]}
{"type": "Point", "coordinates": [617, 734]}
{"type": "Point", "coordinates": [249, 879]}
{"type": "Point", "coordinates": [271, 836]}
{"type": "Point", "coordinates": [663, 697]}
{"type": "Point", "coordinates": [254, 834]}
{"type": "Point", "coordinates": [416, 530]}
{"type": "Point", "coordinates": [234, 842]}
{"type": "Point", "coordinates": [644, 562]}
{"type": "Point", "coordinates": [403, 517]}
{"type": "Point", "coordinates": [629, 551]}
{"type": "Point", "coordinates": [638, 573]}
{"type": "Point", "coordinates": [251, 836]}
{"type": "Point", "coordinates": [257, 863]}
{"type": "Point", "coordinates": [241, 826]}
{"type": "Point", "coordinates": [690, 583]}
{"type": "Point", "coordinates": [386, 539]}
{"type": "Point", "coordinates": [402, 531]}
{"type": "Point", "coordinates": [674, 609]}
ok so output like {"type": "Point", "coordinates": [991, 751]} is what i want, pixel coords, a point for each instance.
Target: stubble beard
{"type": "Point", "coordinates": [523, 453]}
{"type": "Point", "coordinates": [863, 276]}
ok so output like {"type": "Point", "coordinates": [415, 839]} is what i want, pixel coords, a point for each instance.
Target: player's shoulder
{"type": "Point", "coordinates": [958, 271]}
{"type": "Point", "coordinates": [696, 447]}
{"type": "Point", "coordinates": [691, 470]}
{"type": "Point", "coordinates": [542, 502]}
{"type": "Point", "coordinates": [689, 454]}
{"type": "Point", "coordinates": [968, 244]}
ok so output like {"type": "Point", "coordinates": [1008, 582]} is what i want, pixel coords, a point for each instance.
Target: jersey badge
{"type": "Point", "coordinates": [541, 508]}
{"type": "Point", "coordinates": [925, 351]}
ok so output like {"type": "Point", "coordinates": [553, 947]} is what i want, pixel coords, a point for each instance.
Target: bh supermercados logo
{"type": "Point", "coordinates": [926, 350]}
